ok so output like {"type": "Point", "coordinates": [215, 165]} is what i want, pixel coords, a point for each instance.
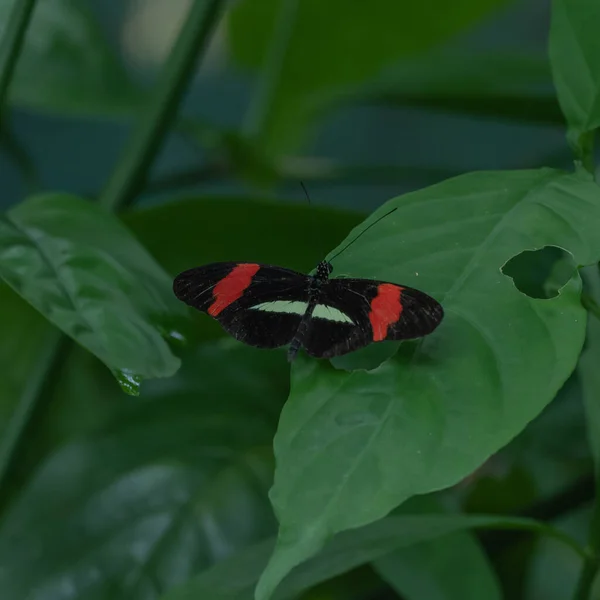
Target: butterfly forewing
{"type": "Point", "coordinates": [260, 305]}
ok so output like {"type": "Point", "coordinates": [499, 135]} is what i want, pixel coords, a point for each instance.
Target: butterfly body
{"type": "Point", "coordinates": [269, 306]}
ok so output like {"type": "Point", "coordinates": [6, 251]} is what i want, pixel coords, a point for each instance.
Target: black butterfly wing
{"type": "Point", "coordinates": [366, 311]}
{"type": "Point", "coordinates": [260, 305]}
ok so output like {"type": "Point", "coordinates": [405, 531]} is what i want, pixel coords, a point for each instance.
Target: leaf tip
{"type": "Point", "coordinates": [129, 381]}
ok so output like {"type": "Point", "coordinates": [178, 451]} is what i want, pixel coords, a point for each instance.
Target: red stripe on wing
{"type": "Point", "coordinates": [386, 309]}
{"type": "Point", "coordinates": [232, 287]}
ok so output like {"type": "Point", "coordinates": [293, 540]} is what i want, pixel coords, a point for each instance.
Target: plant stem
{"type": "Point", "coordinates": [50, 357]}
{"type": "Point", "coordinates": [21, 159]}
{"type": "Point", "coordinates": [11, 45]}
{"type": "Point", "coordinates": [262, 104]}
{"type": "Point", "coordinates": [590, 304]}
{"type": "Point", "coordinates": [591, 563]}
{"type": "Point", "coordinates": [131, 172]}
{"type": "Point", "coordinates": [585, 148]}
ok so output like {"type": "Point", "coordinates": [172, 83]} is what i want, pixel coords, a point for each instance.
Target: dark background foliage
{"type": "Point", "coordinates": [140, 138]}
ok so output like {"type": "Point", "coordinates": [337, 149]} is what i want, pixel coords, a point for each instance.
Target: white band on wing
{"type": "Point", "coordinates": [322, 311]}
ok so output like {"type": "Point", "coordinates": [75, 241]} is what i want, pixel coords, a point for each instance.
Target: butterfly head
{"type": "Point", "coordinates": [324, 269]}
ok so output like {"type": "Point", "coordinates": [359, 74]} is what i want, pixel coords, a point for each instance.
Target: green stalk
{"type": "Point", "coordinates": [49, 359]}
{"type": "Point", "coordinates": [585, 149]}
{"type": "Point", "coordinates": [257, 116]}
{"type": "Point", "coordinates": [132, 170]}
{"type": "Point", "coordinates": [591, 563]}
{"type": "Point", "coordinates": [11, 44]}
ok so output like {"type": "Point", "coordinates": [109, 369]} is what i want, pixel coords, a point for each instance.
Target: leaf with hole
{"type": "Point", "coordinates": [85, 272]}
{"type": "Point", "coordinates": [353, 445]}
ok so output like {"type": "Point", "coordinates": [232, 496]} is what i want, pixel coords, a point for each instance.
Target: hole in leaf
{"type": "Point", "coordinates": [541, 273]}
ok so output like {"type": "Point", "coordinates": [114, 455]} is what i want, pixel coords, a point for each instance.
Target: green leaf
{"type": "Point", "coordinates": [67, 65]}
{"type": "Point", "coordinates": [315, 61]}
{"type": "Point", "coordinates": [353, 445]}
{"type": "Point", "coordinates": [575, 59]}
{"type": "Point", "coordinates": [173, 483]}
{"type": "Point", "coordinates": [83, 270]}
{"type": "Point", "coordinates": [234, 579]}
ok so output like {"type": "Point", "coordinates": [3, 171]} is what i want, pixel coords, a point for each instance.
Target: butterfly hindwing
{"type": "Point", "coordinates": [260, 305]}
{"type": "Point", "coordinates": [374, 311]}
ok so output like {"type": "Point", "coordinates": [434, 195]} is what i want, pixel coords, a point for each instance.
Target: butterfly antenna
{"type": "Point", "coordinates": [312, 214]}
{"type": "Point", "coordinates": [362, 232]}
{"type": "Point", "coordinates": [305, 192]}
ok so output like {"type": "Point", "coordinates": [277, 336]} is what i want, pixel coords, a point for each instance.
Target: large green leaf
{"type": "Point", "coordinates": [85, 272]}
{"type": "Point", "coordinates": [175, 482]}
{"type": "Point", "coordinates": [575, 60]}
{"type": "Point", "coordinates": [67, 65]}
{"type": "Point", "coordinates": [334, 46]}
{"type": "Point", "coordinates": [234, 579]}
{"type": "Point", "coordinates": [353, 445]}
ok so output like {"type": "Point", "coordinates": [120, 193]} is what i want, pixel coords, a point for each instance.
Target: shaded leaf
{"type": "Point", "coordinates": [316, 59]}
{"type": "Point", "coordinates": [434, 569]}
{"type": "Point", "coordinates": [434, 412]}
{"type": "Point", "coordinates": [195, 231]}
{"type": "Point", "coordinates": [174, 483]}
{"type": "Point", "coordinates": [511, 86]}
{"type": "Point", "coordinates": [575, 59]}
{"type": "Point", "coordinates": [83, 270]}
{"type": "Point", "coordinates": [234, 578]}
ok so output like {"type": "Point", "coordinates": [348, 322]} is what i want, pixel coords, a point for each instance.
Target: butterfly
{"type": "Point", "coordinates": [269, 306]}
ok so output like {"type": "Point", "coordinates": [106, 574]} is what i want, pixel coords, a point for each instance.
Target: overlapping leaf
{"type": "Point", "coordinates": [352, 445]}
{"type": "Point", "coordinates": [83, 270]}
